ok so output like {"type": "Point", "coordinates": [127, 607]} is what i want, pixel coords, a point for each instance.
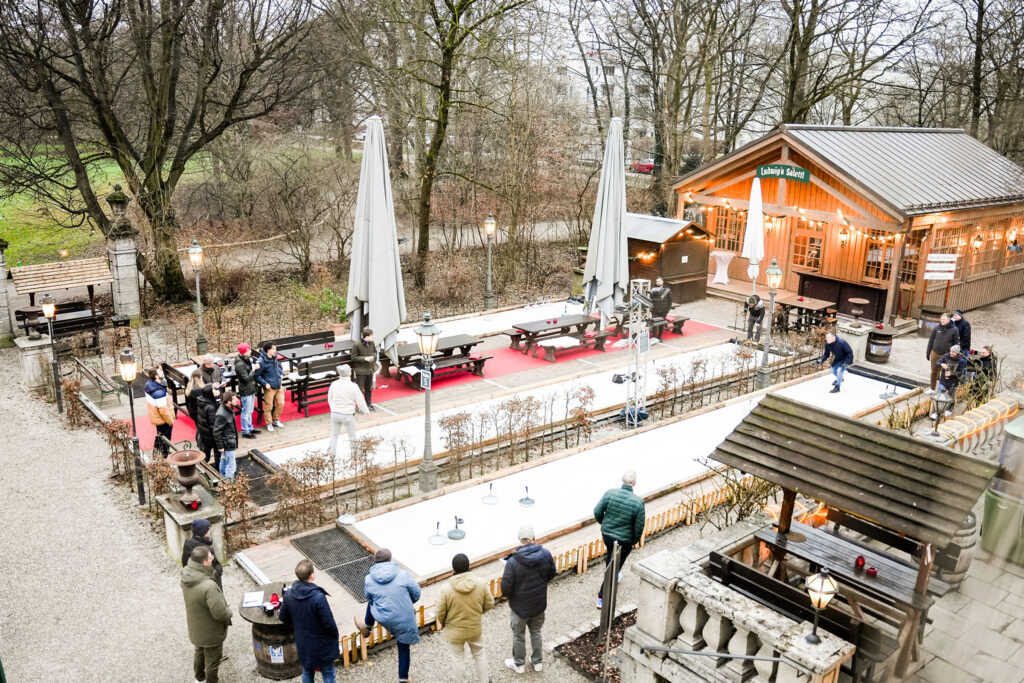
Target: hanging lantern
{"type": "Point", "coordinates": [977, 244]}
{"type": "Point", "coordinates": [844, 237]}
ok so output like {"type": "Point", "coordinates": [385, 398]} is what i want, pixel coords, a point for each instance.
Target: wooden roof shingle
{"type": "Point", "coordinates": [905, 484]}
{"type": "Point", "coordinates": [60, 275]}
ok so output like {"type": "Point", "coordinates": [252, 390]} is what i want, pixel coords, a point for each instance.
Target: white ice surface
{"type": "Point", "coordinates": [566, 490]}
{"type": "Point", "coordinates": [606, 393]}
{"type": "Point", "coordinates": [492, 323]}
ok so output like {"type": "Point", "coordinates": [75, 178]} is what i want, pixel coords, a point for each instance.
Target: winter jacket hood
{"type": "Point", "coordinates": [191, 543]}
{"type": "Point", "coordinates": [462, 603]}
{"type": "Point", "coordinates": [525, 579]}
{"type": "Point", "coordinates": [206, 610]}
{"type": "Point", "coordinates": [391, 592]}
{"type": "Point", "coordinates": [306, 609]}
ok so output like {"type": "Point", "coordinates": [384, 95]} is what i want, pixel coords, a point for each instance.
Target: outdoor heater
{"type": "Point", "coordinates": [821, 588]}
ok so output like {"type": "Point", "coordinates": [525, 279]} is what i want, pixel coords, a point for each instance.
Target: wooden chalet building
{"type": "Point", "coordinates": [853, 213]}
{"type": "Point", "coordinates": [676, 251]}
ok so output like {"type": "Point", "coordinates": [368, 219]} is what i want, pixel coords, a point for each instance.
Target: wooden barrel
{"type": "Point", "coordinates": [274, 647]}
{"type": "Point", "coordinates": [963, 541]}
{"type": "Point", "coordinates": [879, 347]}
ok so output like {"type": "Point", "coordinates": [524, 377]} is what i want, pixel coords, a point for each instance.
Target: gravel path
{"type": "Point", "coordinates": [93, 596]}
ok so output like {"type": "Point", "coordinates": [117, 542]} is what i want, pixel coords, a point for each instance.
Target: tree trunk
{"type": "Point", "coordinates": [976, 77]}
{"type": "Point", "coordinates": [164, 270]}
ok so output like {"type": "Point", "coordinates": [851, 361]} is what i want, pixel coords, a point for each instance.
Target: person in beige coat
{"type": "Point", "coordinates": [459, 611]}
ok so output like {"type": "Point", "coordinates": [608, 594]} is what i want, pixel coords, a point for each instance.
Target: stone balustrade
{"type": "Point", "coordinates": [683, 608]}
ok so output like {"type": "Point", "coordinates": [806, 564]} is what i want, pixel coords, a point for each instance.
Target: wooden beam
{"type": "Point", "coordinates": [863, 222]}
{"type": "Point", "coordinates": [780, 196]}
{"type": "Point", "coordinates": [786, 511]}
{"type": "Point", "coordinates": [894, 284]}
{"type": "Point", "coordinates": [843, 199]}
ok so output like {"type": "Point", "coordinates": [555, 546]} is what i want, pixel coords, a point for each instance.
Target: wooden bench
{"type": "Point", "coordinates": [310, 389]}
{"type": "Point", "coordinates": [574, 340]}
{"type": "Point", "coordinates": [473, 363]}
{"type": "Point", "coordinates": [945, 559]}
{"type": "Point", "coordinates": [103, 384]}
{"type": "Point", "coordinates": [873, 645]}
{"type": "Point", "coordinates": [22, 317]}
{"type": "Point", "coordinates": [295, 341]}
{"type": "Point", "coordinates": [515, 339]}
{"type": "Point", "coordinates": [677, 323]}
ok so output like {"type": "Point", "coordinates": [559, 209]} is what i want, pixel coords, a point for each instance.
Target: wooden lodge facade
{"type": "Point", "coordinates": [854, 212]}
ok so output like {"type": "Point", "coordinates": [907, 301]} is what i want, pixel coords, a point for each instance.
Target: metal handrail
{"type": "Point", "coordinates": [726, 655]}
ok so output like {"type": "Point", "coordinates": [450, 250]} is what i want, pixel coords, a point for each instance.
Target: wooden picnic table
{"type": "Point", "coordinates": [558, 326]}
{"type": "Point", "coordinates": [446, 348]}
{"type": "Point", "coordinates": [809, 312]}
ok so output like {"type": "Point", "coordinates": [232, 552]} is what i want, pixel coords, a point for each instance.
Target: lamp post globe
{"type": "Point", "coordinates": [49, 306]}
{"type": "Point", "coordinates": [490, 227]}
{"type": "Point", "coordinates": [941, 402]}
{"type": "Point", "coordinates": [195, 257]}
{"type": "Point", "coordinates": [427, 335]}
{"type": "Point", "coordinates": [774, 276]}
{"type": "Point", "coordinates": [129, 370]}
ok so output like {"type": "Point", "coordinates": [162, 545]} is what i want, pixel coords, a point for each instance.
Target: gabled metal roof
{"type": "Point", "coordinates": [654, 228]}
{"type": "Point", "coordinates": [902, 483]}
{"type": "Point", "coordinates": [918, 170]}
{"type": "Point", "coordinates": [909, 171]}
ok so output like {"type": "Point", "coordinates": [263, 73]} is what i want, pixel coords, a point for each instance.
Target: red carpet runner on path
{"type": "Point", "coordinates": [506, 361]}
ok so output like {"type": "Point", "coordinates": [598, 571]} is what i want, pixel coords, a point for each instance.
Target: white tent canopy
{"type": "Point", "coordinates": [606, 275]}
{"type": "Point", "coordinates": [375, 292]}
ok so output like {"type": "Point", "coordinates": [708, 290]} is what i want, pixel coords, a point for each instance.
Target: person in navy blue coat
{"type": "Point", "coordinates": [842, 357]}
{"type": "Point", "coordinates": [525, 583]}
{"type": "Point", "coordinates": [305, 609]}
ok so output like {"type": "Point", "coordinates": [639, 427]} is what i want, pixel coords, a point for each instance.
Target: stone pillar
{"type": "Point", "coordinates": [178, 521]}
{"type": "Point", "coordinates": [6, 328]}
{"type": "Point", "coordinates": [34, 358]}
{"type": "Point", "coordinates": [121, 251]}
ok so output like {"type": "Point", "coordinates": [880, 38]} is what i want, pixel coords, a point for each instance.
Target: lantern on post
{"type": "Point", "coordinates": [821, 588]}
{"type": "Point", "coordinates": [129, 370]}
{"type": "Point", "coordinates": [490, 227]}
{"type": "Point", "coordinates": [49, 306]}
{"type": "Point", "coordinates": [774, 275]}
{"type": "Point", "coordinates": [427, 335]}
{"type": "Point", "coordinates": [195, 257]}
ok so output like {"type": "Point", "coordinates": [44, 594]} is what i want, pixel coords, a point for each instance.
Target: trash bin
{"type": "Point", "coordinates": [120, 321]}
{"type": "Point", "coordinates": [1002, 533]}
{"type": "Point", "coordinates": [928, 320]}
{"type": "Point", "coordinates": [879, 347]}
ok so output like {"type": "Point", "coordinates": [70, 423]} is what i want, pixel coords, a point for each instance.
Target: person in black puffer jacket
{"type": "Point", "coordinates": [206, 411]}
{"type": "Point", "coordinates": [525, 583]}
{"type": "Point", "coordinates": [201, 536]}
{"type": "Point", "coordinates": [943, 337]}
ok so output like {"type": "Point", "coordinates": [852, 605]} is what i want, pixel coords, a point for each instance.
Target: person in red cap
{"type": "Point", "coordinates": [245, 371]}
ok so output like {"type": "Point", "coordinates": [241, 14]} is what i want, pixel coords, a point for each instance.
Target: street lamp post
{"type": "Point", "coordinates": [427, 335]}
{"type": "Point", "coordinates": [195, 257]}
{"type": "Point", "coordinates": [774, 275]}
{"type": "Point", "coordinates": [49, 307]}
{"type": "Point", "coordinates": [129, 370]}
{"type": "Point", "coordinates": [490, 225]}
{"type": "Point", "coordinates": [941, 403]}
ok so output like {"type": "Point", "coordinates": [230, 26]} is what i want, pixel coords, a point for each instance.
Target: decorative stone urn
{"type": "Point", "coordinates": [188, 477]}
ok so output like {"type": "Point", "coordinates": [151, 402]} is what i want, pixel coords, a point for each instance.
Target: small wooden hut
{"type": "Point", "coordinates": [675, 250]}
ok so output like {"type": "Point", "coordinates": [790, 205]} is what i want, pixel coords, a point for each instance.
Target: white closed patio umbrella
{"type": "Point", "coordinates": [753, 239]}
{"type": "Point", "coordinates": [375, 293]}
{"type": "Point", "coordinates": [606, 275]}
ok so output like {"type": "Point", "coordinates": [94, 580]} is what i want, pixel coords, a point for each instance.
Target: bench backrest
{"type": "Point", "coordinates": [298, 340]}
{"type": "Point", "coordinates": [63, 307]}
{"type": "Point", "coordinates": [322, 365]}
{"type": "Point", "coordinates": [66, 327]}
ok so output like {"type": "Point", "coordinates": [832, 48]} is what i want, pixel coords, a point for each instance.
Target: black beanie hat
{"type": "Point", "coordinates": [460, 564]}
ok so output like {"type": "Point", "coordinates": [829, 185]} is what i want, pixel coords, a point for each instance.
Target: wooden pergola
{"type": "Point", "coordinates": [46, 277]}
{"type": "Point", "coordinates": [914, 488]}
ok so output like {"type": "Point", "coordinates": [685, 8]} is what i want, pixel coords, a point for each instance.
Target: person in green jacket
{"type": "Point", "coordinates": [621, 515]}
{"type": "Point", "coordinates": [460, 609]}
{"type": "Point", "coordinates": [207, 613]}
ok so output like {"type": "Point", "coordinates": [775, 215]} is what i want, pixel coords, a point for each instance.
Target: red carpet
{"type": "Point", "coordinates": [505, 361]}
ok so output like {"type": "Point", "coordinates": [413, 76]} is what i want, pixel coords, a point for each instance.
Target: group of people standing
{"type": "Point", "coordinates": [391, 594]}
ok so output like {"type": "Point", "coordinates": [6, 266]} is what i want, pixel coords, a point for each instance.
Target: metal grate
{"type": "Point", "coordinates": [258, 474]}
{"type": "Point", "coordinates": [338, 554]}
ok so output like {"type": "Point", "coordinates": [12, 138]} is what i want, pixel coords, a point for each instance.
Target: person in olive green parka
{"type": "Point", "coordinates": [207, 613]}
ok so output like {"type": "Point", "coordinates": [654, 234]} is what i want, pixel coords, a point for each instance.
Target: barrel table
{"type": "Point", "coordinates": [273, 642]}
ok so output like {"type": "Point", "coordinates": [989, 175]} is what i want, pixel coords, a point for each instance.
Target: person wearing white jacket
{"type": "Point", "coordinates": [345, 400]}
